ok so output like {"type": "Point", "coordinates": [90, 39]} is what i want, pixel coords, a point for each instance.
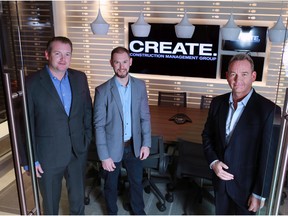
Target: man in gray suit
{"type": "Point", "coordinates": [60, 115]}
{"type": "Point", "coordinates": [122, 130]}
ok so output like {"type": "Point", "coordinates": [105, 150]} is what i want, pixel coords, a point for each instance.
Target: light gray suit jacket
{"type": "Point", "coordinates": [108, 119]}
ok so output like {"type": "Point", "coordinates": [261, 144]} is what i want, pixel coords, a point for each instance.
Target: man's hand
{"type": "Point", "coordinates": [255, 204]}
{"type": "Point", "coordinates": [108, 165]}
{"type": "Point", "coordinates": [144, 152]}
{"type": "Point", "coordinates": [38, 170]}
{"type": "Point", "coordinates": [218, 167]}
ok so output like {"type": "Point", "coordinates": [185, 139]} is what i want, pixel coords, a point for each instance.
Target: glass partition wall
{"type": "Point", "coordinates": [91, 54]}
{"type": "Point", "coordinates": [279, 185]}
{"type": "Point", "coordinates": [25, 27]}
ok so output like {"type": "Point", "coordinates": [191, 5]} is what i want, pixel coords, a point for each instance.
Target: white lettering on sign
{"type": "Point", "coordinates": [150, 45]}
{"type": "Point", "coordinates": [165, 47]}
{"type": "Point", "coordinates": [203, 49]}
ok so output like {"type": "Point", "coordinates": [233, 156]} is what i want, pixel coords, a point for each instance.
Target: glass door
{"type": "Point", "coordinates": [24, 30]}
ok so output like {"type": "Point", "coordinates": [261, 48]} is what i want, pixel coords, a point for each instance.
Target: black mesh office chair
{"type": "Point", "coordinates": [192, 165]}
{"type": "Point", "coordinates": [205, 102]}
{"type": "Point", "coordinates": [172, 99]}
{"type": "Point", "coordinates": [155, 167]}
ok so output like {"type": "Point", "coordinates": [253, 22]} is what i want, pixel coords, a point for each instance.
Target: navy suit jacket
{"type": "Point", "coordinates": [55, 136]}
{"type": "Point", "coordinates": [250, 152]}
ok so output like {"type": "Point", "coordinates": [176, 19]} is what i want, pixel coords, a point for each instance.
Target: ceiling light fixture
{"type": "Point", "coordinates": [184, 29]}
{"type": "Point", "coordinates": [277, 33]}
{"type": "Point", "coordinates": [99, 26]}
{"type": "Point", "coordinates": [230, 31]}
{"type": "Point", "coordinates": [141, 28]}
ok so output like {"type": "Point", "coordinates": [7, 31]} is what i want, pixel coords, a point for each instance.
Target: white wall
{"type": "Point", "coordinates": [92, 52]}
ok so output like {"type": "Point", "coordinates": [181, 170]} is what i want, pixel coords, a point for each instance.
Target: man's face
{"type": "Point", "coordinates": [121, 63]}
{"type": "Point", "coordinates": [60, 56]}
{"type": "Point", "coordinates": [240, 77]}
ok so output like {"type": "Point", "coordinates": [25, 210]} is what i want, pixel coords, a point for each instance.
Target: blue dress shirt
{"type": "Point", "coordinates": [235, 114]}
{"type": "Point", "coordinates": [63, 89]}
{"type": "Point", "coordinates": [125, 95]}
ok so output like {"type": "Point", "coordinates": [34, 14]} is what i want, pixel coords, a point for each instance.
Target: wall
{"type": "Point", "coordinates": [92, 52]}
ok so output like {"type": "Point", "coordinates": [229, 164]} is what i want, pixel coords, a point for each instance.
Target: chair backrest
{"type": "Point", "coordinates": [172, 99]}
{"type": "Point", "coordinates": [157, 159]}
{"type": "Point", "coordinates": [205, 102]}
{"type": "Point", "coordinates": [191, 161]}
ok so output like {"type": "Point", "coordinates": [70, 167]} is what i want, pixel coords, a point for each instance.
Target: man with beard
{"type": "Point", "coordinates": [118, 102]}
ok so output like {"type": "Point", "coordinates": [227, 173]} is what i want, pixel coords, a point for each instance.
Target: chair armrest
{"type": "Point", "coordinates": [162, 162]}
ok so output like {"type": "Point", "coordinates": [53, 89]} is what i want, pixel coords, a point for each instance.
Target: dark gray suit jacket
{"type": "Point", "coordinates": [249, 153]}
{"type": "Point", "coordinates": [54, 134]}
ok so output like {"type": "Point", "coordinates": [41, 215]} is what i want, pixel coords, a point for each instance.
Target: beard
{"type": "Point", "coordinates": [122, 75]}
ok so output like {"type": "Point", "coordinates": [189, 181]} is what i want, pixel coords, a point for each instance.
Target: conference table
{"type": "Point", "coordinates": [162, 124]}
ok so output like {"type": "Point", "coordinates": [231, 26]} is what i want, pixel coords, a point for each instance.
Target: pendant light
{"type": "Point", "coordinates": [230, 31]}
{"type": "Point", "coordinates": [277, 33]}
{"type": "Point", "coordinates": [184, 29]}
{"type": "Point", "coordinates": [141, 28]}
{"type": "Point", "coordinates": [99, 26]}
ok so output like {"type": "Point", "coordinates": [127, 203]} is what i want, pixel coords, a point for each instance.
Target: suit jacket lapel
{"type": "Point", "coordinates": [223, 112]}
{"type": "Point", "coordinates": [46, 81]}
{"type": "Point", "coordinates": [116, 96]}
{"type": "Point", "coordinates": [73, 85]}
{"type": "Point", "coordinates": [247, 114]}
{"type": "Point", "coordinates": [134, 94]}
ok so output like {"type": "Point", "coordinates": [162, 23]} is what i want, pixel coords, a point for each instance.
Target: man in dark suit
{"type": "Point", "coordinates": [122, 130]}
{"type": "Point", "coordinates": [237, 142]}
{"type": "Point", "coordinates": [60, 115]}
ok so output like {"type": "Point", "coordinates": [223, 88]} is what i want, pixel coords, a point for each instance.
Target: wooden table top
{"type": "Point", "coordinates": [190, 131]}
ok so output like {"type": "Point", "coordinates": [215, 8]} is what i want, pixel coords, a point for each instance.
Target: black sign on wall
{"type": "Point", "coordinates": [258, 66]}
{"type": "Point", "coordinates": [252, 40]}
{"type": "Point", "coordinates": [162, 53]}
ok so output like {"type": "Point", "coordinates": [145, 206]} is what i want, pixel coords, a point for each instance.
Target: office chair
{"type": "Point", "coordinates": [93, 171]}
{"type": "Point", "coordinates": [172, 99]}
{"type": "Point", "coordinates": [205, 102]}
{"type": "Point", "coordinates": [155, 171]}
{"type": "Point", "coordinates": [192, 165]}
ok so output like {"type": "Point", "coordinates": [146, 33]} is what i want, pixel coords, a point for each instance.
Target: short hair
{"type": "Point", "coordinates": [241, 57]}
{"type": "Point", "coordinates": [120, 49]}
{"type": "Point", "coordinates": [61, 39]}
